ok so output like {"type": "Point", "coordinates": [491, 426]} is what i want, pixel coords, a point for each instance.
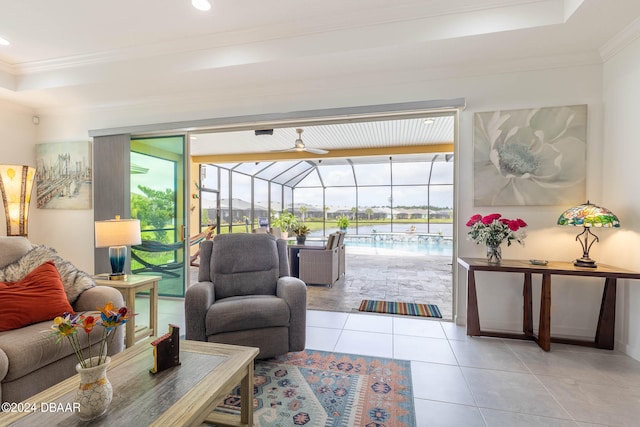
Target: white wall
{"type": "Point", "coordinates": [622, 174]}
{"type": "Point", "coordinates": [575, 303]}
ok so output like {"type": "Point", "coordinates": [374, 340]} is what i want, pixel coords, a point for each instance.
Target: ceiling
{"type": "Point", "coordinates": [164, 55]}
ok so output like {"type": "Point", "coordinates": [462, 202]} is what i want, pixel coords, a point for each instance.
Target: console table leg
{"type": "Point", "coordinates": [527, 320]}
{"type": "Point", "coordinates": [473, 320]}
{"type": "Point", "coordinates": [544, 334]}
{"type": "Point", "coordinates": [605, 332]}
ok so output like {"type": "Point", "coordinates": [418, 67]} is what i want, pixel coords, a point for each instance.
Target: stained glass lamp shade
{"type": "Point", "coordinates": [16, 183]}
{"type": "Point", "coordinates": [588, 216]}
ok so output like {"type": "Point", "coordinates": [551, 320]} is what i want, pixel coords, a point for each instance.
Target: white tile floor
{"type": "Point", "coordinates": [463, 381]}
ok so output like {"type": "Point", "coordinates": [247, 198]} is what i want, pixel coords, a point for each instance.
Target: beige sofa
{"type": "Point", "coordinates": [30, 358]}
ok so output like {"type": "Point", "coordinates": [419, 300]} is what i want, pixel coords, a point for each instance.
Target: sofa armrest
{"type": "Point", "coordinates": [294, 292]}
{"type": "Point", "coordinates": [197, 300]}
{"type": "Point", "coordinates": [97, 297]}
{"type": "Point", "coordinates": [94, 298]}
{"type": "Point", "coordinates": [4, 368]}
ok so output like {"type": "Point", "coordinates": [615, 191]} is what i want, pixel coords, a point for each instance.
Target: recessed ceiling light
{"type": "Point", "coordinates": [203, 5]}
{"type": "Point", "coordinates": [4, 42]}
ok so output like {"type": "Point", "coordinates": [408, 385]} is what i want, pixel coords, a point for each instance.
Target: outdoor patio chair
{"type": "Point", "coordinates": [245, 296]}
{"type": "Point", "coordinates": [320, 266]}
{"type": "Point", "coordinates": [341, 254]}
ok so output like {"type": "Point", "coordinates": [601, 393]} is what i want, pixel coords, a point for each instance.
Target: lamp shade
{"type": "Point", "coordinates": [16, 183]}
{"type": "Point", "coordinates": [589, 215]}
{"type": "Point", "coordinates": [117, 232]}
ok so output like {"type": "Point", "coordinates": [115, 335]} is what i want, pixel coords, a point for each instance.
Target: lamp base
{"type": "Point", "coordinates": [117, 276]}
{"type": "Point", "coordinates": [585, 262]}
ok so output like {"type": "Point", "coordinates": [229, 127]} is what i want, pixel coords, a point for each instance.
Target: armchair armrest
{"type": "Point", "coordinates": [294, 292]}
{"type": "Point", "coordinates": [96, 297]}
{"type": "Point", "coordinates": [197, 300]}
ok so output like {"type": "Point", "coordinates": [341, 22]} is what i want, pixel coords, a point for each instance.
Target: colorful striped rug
{"type": "Point", "coordinates": [406, 308]}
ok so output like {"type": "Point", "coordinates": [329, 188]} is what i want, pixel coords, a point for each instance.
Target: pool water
{"type": "Point", "coordinates": [444, 248]}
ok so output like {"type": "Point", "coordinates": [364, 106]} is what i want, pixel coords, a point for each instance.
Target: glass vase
{"type": "Point", "coordinates": [494, 254]}
{"type": "Point", "coordinates": [94, 393]}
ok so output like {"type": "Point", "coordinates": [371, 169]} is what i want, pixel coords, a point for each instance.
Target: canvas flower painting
{"type": "Point", "coordinates": [530, 157]}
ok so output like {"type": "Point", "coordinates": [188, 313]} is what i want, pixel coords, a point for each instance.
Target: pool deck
{"type": "Point", "coordinates": [390, 275]}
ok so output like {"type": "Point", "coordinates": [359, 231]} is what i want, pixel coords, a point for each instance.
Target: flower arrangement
{"type": "Point", "coordinates": [492, 230]}
{"type": "Point", "coordinates": [110, 319]}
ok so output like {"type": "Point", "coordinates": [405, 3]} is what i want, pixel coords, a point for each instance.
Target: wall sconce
{"type": "Point", "coordinates": [16, 183]}
{"type": "Point", "coordinates": [116, 234]}
{"type": "Point", "coordinates": [588, 215]}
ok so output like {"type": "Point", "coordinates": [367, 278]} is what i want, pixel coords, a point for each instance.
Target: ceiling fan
{"type": "Point", "coordinates": [299, 146]}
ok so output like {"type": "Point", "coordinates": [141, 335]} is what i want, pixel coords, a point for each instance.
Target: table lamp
{"type": "Point", "coordinates": [588, 215]}
{"type": "Point", "coordinates": [116, 234]}
{"type": "Point", "coordinates": [16, 183]}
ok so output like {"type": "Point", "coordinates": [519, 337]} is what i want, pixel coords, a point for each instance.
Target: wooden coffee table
{"type": "Point", "coordinates": [185, 395]}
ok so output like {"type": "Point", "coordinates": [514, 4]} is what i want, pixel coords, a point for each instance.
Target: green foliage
{"type": "Point", "coordinates": [301, 229]}
{"type": "Point", "coordinates": [285, 221]}
{"type": "Point", "coordinates": [342, 222]}
{"type": "Point", "coordinates": [154, 211]}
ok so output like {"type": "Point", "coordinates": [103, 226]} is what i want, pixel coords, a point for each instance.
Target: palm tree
{"type": "Point", "coordinates": [369, 212]}
{"type": "Point", "coordinates": [303, 210]}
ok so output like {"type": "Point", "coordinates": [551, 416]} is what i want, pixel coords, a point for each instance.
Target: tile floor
{"type": "Point", "coordinates": [463, 381]}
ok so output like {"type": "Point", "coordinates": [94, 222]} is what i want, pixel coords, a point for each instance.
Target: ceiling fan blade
{"type": "Point", "coordinates": [315, 150]}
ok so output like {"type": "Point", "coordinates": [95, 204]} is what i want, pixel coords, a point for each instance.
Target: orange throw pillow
{"type": "Point", "coordinates": [37, 297]}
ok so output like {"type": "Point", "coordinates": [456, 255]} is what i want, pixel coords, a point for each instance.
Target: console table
{"type": "Point", "coordinates": [604, 337]}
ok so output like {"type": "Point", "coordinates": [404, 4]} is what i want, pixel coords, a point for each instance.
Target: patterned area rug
{"type": "Point", "coordinates": [317, 388]}
{"type": "Point", "coordinates": [406, 308]}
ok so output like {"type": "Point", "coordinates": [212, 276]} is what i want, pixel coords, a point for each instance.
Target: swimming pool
{"type": "Point", "coordinates": [422, 244]}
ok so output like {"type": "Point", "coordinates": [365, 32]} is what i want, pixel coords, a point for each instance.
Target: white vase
{"type": "Point", "coordinates": [94, 393]}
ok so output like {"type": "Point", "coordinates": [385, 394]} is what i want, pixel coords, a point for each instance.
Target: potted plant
{"type": "Point", "coordinates": [285, 222]}
{"type": "Point", "coordinates": [343, 222]}
{"type": "Point", "coordinates": [301, 230]}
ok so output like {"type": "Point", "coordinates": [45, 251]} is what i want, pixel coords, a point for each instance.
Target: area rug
{"type": "Point", "coordinates": [406, 308]}
{"type": "Point", "coordinates": [321, 389]}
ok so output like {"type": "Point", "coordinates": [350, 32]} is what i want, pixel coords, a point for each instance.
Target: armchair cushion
{"type": "Point", "coordinates": [39, 296]}
{"type": "Point", "coordinates": [247, 312]}
{"type": "Point", "coordinates": [247, 267]}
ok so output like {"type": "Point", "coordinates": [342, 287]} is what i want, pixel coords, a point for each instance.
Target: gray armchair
{"type": "Point", "coordinates": [245, 296]}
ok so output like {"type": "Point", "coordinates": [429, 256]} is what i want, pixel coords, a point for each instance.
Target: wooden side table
{"type": "Point", "coordinates": [605, 332]}
{"type": "Point", "coordinates": [129, 287]}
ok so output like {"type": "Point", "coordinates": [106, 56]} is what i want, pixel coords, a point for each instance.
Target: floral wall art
{"type": "Point", "coordinates": [530, 156]}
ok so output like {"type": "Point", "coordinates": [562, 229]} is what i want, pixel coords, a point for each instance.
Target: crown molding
{"type": "Point", "coordinates": [621, 40]}
{"type": "Point", "coordinates": [391, 22]}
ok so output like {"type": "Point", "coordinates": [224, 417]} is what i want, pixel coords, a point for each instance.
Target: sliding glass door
{"type": "Point", "coordinates": [157, 200]}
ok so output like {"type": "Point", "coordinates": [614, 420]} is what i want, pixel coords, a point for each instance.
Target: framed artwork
{"type": "Point", "coordinates": [530, 157]}
{"type": "Point", "coordinates": [64, 175]}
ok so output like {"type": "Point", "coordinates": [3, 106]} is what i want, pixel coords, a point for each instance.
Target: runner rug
{"type": "Point", "coordinates": [406, 308]}
{"type": "Point", "coordinates": [317, 388]}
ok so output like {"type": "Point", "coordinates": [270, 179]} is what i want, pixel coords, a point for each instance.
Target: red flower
{"type": "Point", "coordinates": [474, 219]}
{"type": "Point", "coordinates": [88, 323]}
{"type": "Point", "coordinates": [486, 220]}
{"type": "Point", "coordinates": [521, 223]}
{"type": "Point", "coordinates": [513, 225]}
